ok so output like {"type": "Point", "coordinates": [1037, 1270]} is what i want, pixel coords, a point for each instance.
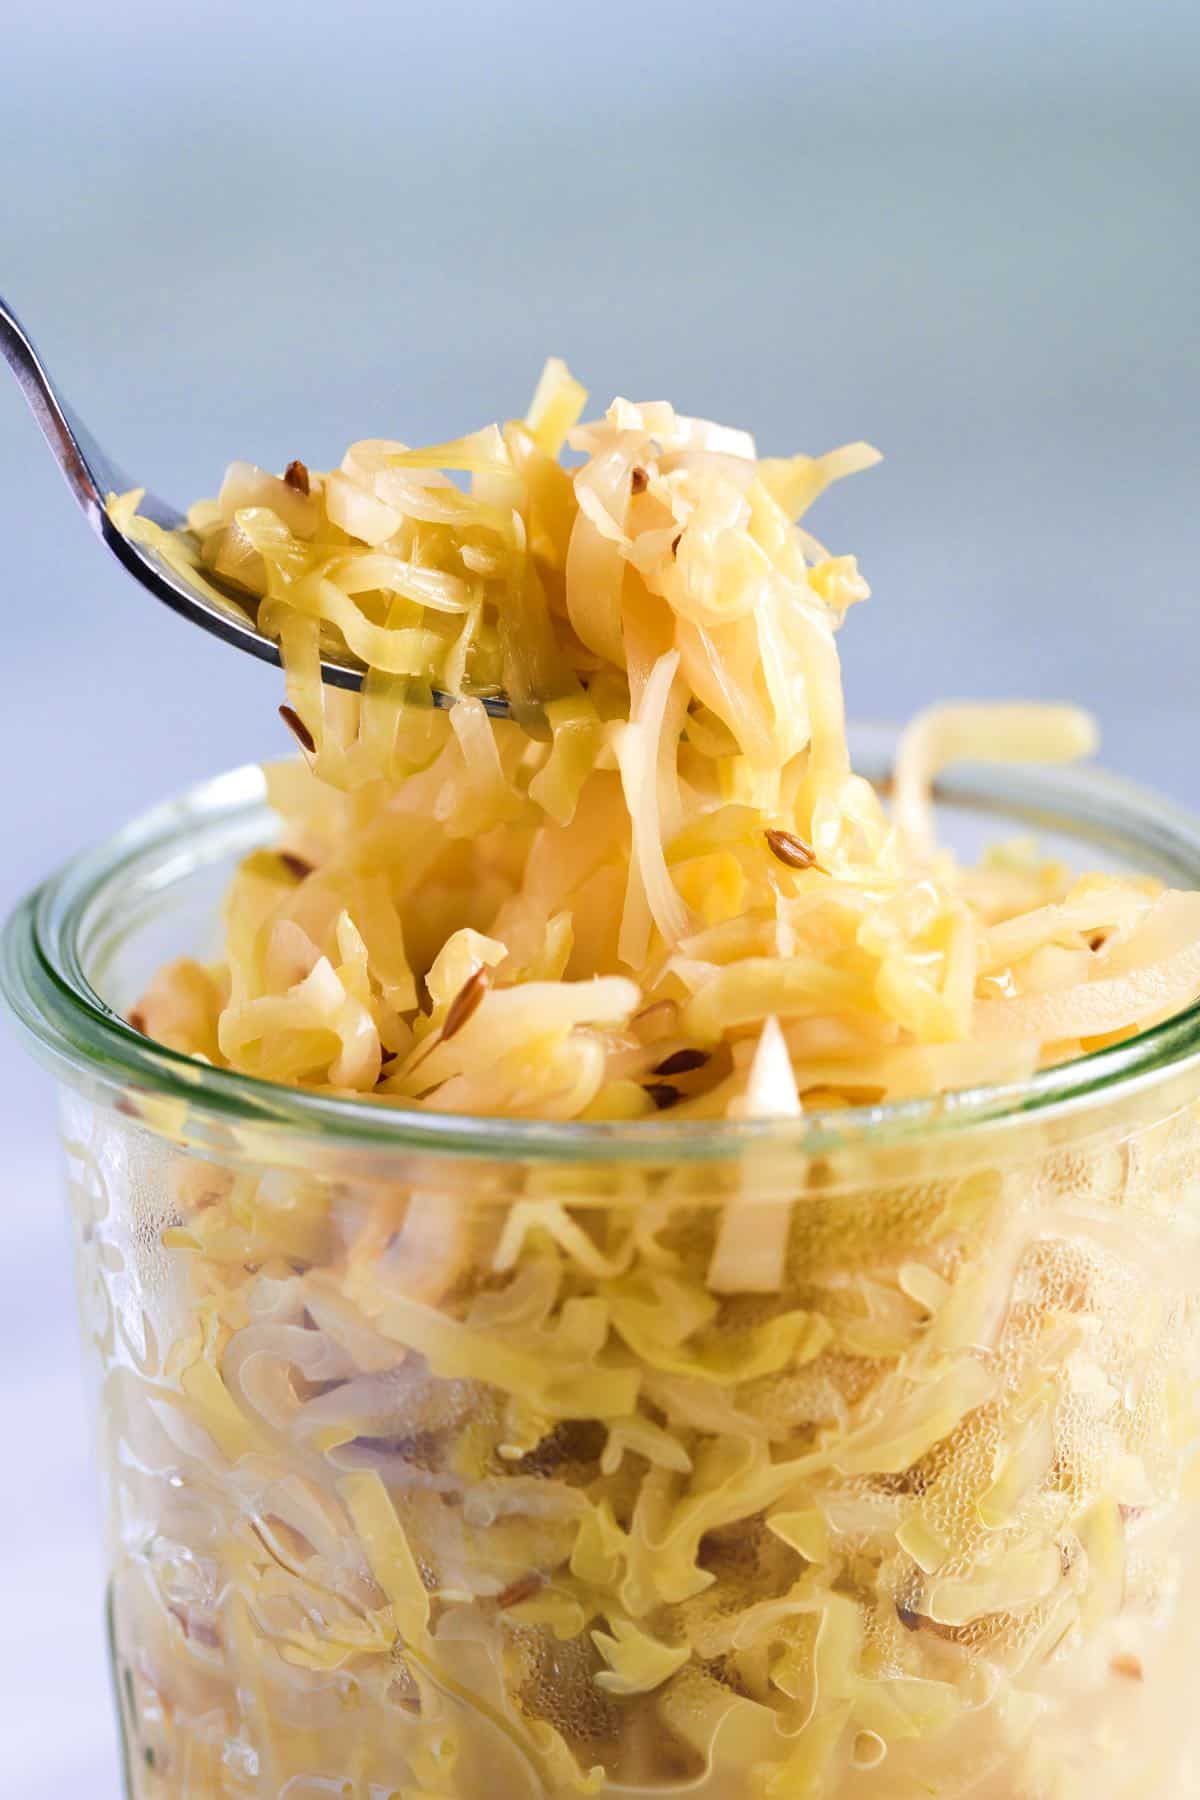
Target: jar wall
{"type": "Point", "coordinates": [535, 1480]}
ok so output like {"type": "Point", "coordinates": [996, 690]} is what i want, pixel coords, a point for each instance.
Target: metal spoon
{"type": "Point", "coordinates": [92, 476]}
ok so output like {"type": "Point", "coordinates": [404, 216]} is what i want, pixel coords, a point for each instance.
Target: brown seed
{"type": "Point", "coordinates": [137, 1019]}
{"type": "Point", "coordinates": [639, 481]}
{"type": "Point", "coordinates": [915, 1621]}
{"type": "Point", "coordinates": [465, 1002]}
{"type": "Point", "coordinates": [299, 866]}
{"type": "Point", "coordinates": [675, 543]}
{"type": "Point", "coordinates": [682, 1063]}
{"type": "Point", "coordinates": [662, 1093]}
{"type": "Point", "coordinates": [296, 476]}
{"type": "Point", "coordinates": [1098, 940]}
{"type": "Point", "coordinates": [298, 728]}
{"type": "Point", "coordinates": [523, 1588]}
{"type": "Point", "coordinates": [792, 850]}
{"type": "Point", "coordinates": [1128, 1667]}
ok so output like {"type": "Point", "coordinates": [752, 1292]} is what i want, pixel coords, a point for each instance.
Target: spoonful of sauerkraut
{"type": "Point", "coordinates": [655, 882]}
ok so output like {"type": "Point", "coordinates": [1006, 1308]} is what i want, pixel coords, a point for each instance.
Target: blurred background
{"type": "Point", "coordinates": [967, 232]}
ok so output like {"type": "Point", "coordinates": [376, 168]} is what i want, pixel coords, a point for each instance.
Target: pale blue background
{"type": "Point", "coordinates": [968, 232]}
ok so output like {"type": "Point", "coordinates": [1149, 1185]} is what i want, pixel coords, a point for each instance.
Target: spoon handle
{"type": "Point", "coordinates": [72, 451]}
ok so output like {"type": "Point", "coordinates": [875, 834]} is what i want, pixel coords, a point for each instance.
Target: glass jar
{"type": "Point", "coordinates": [440, 1460]}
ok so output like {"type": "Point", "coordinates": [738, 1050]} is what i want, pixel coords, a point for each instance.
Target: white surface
{"type": "Point", "coordinates": [969, 234]}
{"type": "Point", "coordinates": [58, 1732]}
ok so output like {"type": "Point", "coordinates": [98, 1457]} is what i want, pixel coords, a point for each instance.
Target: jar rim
{"type": "Point", "coordinates": [45, 983]}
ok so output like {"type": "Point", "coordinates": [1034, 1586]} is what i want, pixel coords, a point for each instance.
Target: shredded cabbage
{"type": "Point", "coordinates": [672, 802]}
{"type": "Point", "coordinates": [602, 1491]}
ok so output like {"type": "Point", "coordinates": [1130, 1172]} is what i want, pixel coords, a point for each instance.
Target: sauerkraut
{"type": "Point", "coordinates": [596, 1491]}
{"type": "Point", "coordinates": [665, 845]}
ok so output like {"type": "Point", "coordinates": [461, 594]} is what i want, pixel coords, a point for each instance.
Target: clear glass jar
{"type": "Point", "coordinates": [434, 1465]}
